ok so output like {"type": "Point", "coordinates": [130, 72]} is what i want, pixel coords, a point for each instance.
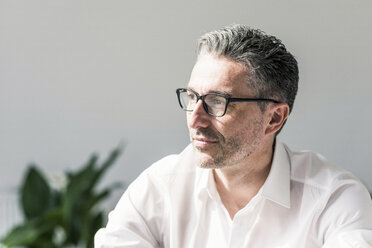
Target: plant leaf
{"type": "Point", "coordinates": [34, 231]}
{"type": "Point", "coordinates": [69, 211]}
{"type": "Point", "coordinates": [22, 235]}
{"type": "Point", "coordinates": [109, 161]}
{"type": "Point", "coordinates": [95, 223]}
{"type": "Point", "coordinates": [79, 196]}
{"type": "Point", "coordinates": [82, 184]}
{"type": "Point", "coordinates": [98, 197]}
{"type": "Point", "coordinates": [36, 196]}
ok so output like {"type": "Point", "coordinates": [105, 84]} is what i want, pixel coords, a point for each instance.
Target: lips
{"type": "Point", "coordinates": [203, 142]}
{"type": "Point", "coordinates": [201, 139]}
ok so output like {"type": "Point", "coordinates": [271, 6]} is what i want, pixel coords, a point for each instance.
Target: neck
{"type": "Point", "coordinates": [238, 184]}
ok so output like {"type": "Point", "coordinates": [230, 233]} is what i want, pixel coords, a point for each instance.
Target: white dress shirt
{"type": "Point", "coordinates": [304, 202]}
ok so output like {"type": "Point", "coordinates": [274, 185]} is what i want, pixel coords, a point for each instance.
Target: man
{"type": "Point", "coordinates": [235, 185]}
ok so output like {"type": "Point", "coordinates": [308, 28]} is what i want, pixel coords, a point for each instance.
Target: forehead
{"type": "Point", "coordinates": [219, 74]}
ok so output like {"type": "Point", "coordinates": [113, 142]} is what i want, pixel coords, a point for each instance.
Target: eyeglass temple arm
{"type": "Point", "coordinates": [252, 100]}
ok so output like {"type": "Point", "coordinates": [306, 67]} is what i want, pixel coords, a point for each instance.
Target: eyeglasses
{"type": "Point", "coordinates": [215, 104]}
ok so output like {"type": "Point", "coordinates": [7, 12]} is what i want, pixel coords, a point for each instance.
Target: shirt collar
{"type": "Point", "coordinates": [276, 187]}
{"type": "Point", "coordinates": [205, 184]}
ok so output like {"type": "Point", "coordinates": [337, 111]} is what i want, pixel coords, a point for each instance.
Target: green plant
{"type": "Point", "coordinates": [67, 217]}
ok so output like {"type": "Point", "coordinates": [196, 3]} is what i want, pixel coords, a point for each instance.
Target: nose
{"type": "Point", "coordinates": [199, 117]}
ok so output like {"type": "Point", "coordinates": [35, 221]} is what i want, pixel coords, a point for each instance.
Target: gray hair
{"type": "Point", "coordinates": [273, 69]}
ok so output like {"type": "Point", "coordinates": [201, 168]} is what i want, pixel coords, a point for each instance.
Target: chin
{"type": "Point", "coordinates": [202, 159]}
{"type": "Point", "coordinates": [206, 161]}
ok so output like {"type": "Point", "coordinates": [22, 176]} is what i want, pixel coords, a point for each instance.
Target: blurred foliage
{"type": "Point", "coordinates": [66, 217]}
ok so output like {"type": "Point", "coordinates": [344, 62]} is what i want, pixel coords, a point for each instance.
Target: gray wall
{"type": "Point", "coordinates": [83, 76]}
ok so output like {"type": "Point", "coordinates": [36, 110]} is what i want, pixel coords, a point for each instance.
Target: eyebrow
{"type": "Point", "coordinates": [215, 91]}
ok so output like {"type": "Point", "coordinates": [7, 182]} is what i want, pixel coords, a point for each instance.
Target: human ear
{"type": "Point", "coordinates": [278, 113]}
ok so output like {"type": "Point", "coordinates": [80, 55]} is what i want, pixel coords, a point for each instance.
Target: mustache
{"type": "Point", "coordinates": [208, 133]}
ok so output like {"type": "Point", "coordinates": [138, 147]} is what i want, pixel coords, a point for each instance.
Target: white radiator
{"type": "Point", "coordinates": [10, 213]}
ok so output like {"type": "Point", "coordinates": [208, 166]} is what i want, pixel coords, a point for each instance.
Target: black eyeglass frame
{"type": "Point", "coordinates": [228, 100]}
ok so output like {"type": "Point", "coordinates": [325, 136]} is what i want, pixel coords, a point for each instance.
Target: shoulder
{"type": "Point", "coordinates": [340, 202]}
{"type": "Point", "coordinates": [166, 174]}
{"type": "Point", "coordinates": [173, 164]}
{"type": "Point", "coordinates": [327, 182]}
{"type": "Point", "coordinates": [314, 170]}
{"type": "Point", "coordinates": [171, 167]}
{"type": "Point", "coordinates": [322, 179]}
{"type": "Point", "coordinates": [143, 209]}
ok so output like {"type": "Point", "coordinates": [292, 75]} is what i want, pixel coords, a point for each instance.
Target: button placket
{"type": "Point", "coordinates": [243, 222]}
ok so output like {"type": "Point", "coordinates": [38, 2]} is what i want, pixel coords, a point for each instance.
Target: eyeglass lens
{"type": "Point", "coordinates": [213, 104]}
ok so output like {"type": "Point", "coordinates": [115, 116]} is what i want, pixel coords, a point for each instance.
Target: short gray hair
{"type": "Point", "coordinates": [273, 69]}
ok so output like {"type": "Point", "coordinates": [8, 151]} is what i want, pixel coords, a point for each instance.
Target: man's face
{"type": "Point", "coordinates": [228, 140]}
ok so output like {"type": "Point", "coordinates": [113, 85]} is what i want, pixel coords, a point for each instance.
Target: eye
{"type": "Point", "coordinates": [190, 95]}
{"type": "Point", "coordinates": [217, 101]}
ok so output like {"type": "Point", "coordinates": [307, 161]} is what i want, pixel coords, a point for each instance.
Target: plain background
{"type": "Point", "coordinates": [78, 77]}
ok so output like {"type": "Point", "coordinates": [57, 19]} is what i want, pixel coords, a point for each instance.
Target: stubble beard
{"type": "Point", "coordinates": [228, 151]}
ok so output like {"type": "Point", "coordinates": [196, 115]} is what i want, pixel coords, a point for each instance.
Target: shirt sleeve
{"type": "Point", "coordinates": [346, 221]}
{"type": "Point", "coordinates": [136, 220]}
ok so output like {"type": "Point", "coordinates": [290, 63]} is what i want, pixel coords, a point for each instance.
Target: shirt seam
{"type": "Point", "coordinates": [166, 198]}
{"type": "Point", "coordinates": [323, 204]}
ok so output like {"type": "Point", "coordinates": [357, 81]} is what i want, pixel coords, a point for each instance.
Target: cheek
{"type": "Point", "coordinates": [244, 130]}
{"type": "Point", "coordinates": [228, 125]}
